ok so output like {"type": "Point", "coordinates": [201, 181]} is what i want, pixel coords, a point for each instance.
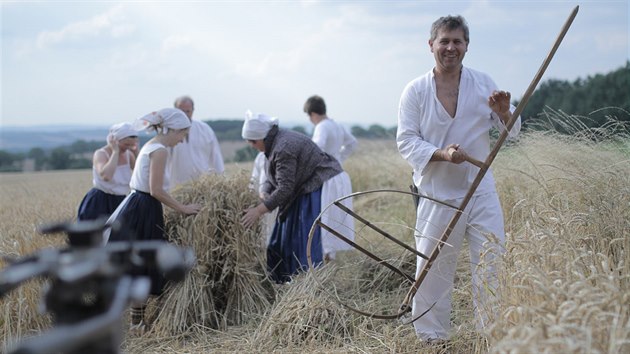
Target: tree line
{"type": "Point", "coordinates": [585, 98]}
{"type": "Point", "coordinates": [78, 155]}
{"type": "Point", "coordinates": [231, 130]}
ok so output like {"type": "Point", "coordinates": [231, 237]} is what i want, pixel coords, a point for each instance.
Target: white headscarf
{"type": "Point", "coordinates": [121, 130]}
{"type": "Point", "coordinates": [257, 126]}
{"type": "Point", "coordinates": [166, 118]}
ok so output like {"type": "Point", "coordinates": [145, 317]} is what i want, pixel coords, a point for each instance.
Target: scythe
{"type": "Point", "coordinates": [483, 168]}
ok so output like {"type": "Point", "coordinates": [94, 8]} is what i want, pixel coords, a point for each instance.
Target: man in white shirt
{"type": "Point", "coordinates": [199, 154]}
{"type": "Point", "coordinates": [444, 117]}
{"type": "Point", "coordinates": [336, 141]}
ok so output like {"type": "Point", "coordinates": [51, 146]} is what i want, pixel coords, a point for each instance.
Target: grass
{"type": "Point", "coordinates": [565, 274]}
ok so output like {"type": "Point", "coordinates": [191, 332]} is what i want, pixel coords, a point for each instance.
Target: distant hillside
{"type": "Point", "coordinates": [227, 129]}
{"type": "Point", "coordinates": [19, 139]}
{"type": "Point", "coordinates": [22, 139]}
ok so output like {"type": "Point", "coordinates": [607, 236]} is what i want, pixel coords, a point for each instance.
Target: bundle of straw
{"type": "Point", "coordinates": [228, 283]}
{"type": "Point", "coordinates": [304, 314]}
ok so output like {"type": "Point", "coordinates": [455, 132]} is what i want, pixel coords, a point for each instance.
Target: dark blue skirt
{"type": "Point", "coordinates": [287, 249]}
{"type": "Point", "coordinates": [97, 203]}
{"type": "Point", "coordinates": [142, 218]}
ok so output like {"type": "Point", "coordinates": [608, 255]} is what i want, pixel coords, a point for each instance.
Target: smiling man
{"type": "Point", "coordinates": [444, 117]}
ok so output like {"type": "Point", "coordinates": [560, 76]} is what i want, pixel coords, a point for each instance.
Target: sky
{"type": "Point", "coordinates": [103, 62]}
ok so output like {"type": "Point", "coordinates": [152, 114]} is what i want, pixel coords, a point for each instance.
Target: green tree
{"type": "Point", "coordinates": [39, 155]}
{"type": "Point", "coordinates": [247, 153]}
{"type": "Point", "coordinates": [6, 160]}
{"type": "Point", "coordinates": [377, 131]}
{"type": "Point", "coordinates": [374, 131]}
{"type": "Point", "coordinates": [79, 146]}
{"type": "Point", "coordinates": [226, 129]}
{"type": "Point", "coordinates": [59, 159]}
{"type": "Point", "coordinates": [358, 131]}
{"type": "Point", "coordinates": [299, 129]}
{"type": "Point", "coordinates": [583, 97]}
{"type": "Point", "coordinates": [80, 163]}
{"type": "Point", "coordinates": [82, 146]}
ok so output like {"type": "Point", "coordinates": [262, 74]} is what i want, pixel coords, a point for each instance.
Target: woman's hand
{"type": "Point", "coordinates": [252, 215]}
{"type": "Point", "coordinates": [113, 144]}
{"type": "Point", "coordinates": [190, 209]}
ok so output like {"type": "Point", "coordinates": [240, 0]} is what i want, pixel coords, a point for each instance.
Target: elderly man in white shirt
{"type": "Point", "coordinates": [444, 117]}
{"type": "Point", "coordinates": [199, 154]}
{"type": "Point", "coordinates": [336, 141]}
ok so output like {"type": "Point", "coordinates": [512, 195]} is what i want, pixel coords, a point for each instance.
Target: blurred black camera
{"type": "Point", "coordinates": [90, 284]}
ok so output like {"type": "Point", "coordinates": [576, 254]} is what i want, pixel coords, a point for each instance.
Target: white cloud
{"type": "Point", "coordinates": [129, 58]}
{"type": "Point", "coordinates": [122, 30]}
{"type": "Point", "coordinates": [254, 66]}
{"type": "Point", "coordinates": [309, 3]}
{"type": "Point", "coordinates": [611, 41]}
{"type": "Point", "coordinates": [272, 55]}
{"type": "Point", "coordinates": [106, 22]}
{"type": "Point", "coordinates": [175, 42]}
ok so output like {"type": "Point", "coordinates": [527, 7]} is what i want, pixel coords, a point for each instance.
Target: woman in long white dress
{"type": "Point", "coordinates": [336, 141]}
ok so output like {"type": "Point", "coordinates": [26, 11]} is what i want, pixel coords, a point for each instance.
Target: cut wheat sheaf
{"type": "Point", "coordinates": [228, 283]}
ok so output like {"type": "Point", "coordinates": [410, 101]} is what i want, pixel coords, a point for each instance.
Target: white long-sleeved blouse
{"type": "Point", "coordinates": [334, 139]}
{"type": "Point", "coordinates": [425, 126]}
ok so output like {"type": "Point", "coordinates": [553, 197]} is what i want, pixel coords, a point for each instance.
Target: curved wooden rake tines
{"type": "Point", "coordinates": [483, 168]}
{"type": "Point", "coordinates": [384, 263]}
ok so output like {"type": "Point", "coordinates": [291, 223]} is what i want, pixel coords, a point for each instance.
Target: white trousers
{"type": "Point", "coordinates": [337, 219]}
{"type": "Point", "coordinates": [482, 216]}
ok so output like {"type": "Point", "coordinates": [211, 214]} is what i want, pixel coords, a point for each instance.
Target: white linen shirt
{"type": "Point", "coordinates": [334, 139]}
{"type": "Point", "coordinates": [424, 126]}
{"type": "Point", "coordinates": [197, 155]}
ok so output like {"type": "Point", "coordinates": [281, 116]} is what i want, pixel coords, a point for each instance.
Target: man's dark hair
{"type": "Point", "coordinates": [450, 23]}
{"type": "Point", "coordinates": [315, 104]}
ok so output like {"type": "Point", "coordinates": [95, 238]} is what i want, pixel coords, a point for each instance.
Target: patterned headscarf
{"type": "Point", "coordinates": [257, 126]}
{"type": "Point", "coordinates": [165, 118]}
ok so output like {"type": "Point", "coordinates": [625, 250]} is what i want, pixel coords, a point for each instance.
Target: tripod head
{"type": "Point", "coordinates": [90, 284]}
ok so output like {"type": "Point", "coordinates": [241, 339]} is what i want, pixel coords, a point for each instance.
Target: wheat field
{"type": "Point", "coordinates": [565, 275]}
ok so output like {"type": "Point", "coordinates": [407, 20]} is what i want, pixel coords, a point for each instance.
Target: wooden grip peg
{"type": "Point", "coordinates": [473, 161]}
